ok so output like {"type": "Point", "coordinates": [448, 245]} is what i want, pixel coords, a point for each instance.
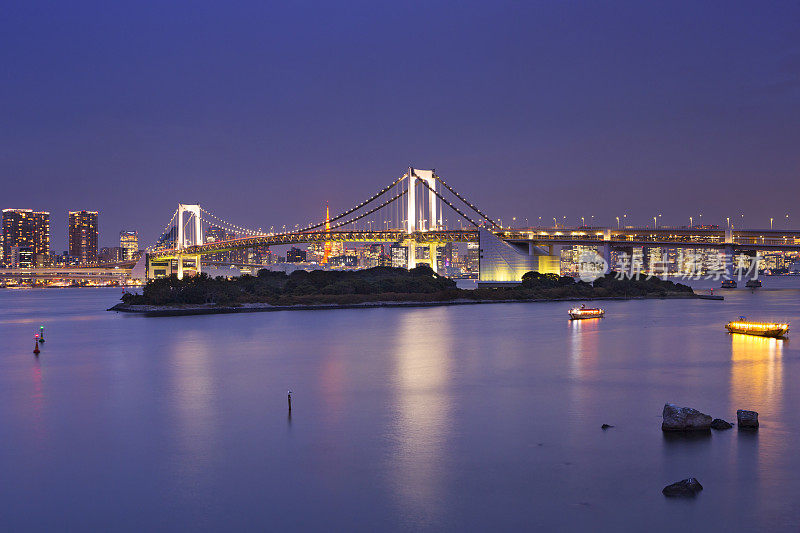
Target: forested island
{"type": "Point", "coordinates": [379, 286]}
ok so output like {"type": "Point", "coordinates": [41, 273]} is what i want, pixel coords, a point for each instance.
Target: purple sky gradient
{"type": "Point", "coordinates": [262, 112]}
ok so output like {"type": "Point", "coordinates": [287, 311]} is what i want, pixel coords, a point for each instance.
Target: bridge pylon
{"type": "Point", "coordinates": [413, 220]}
{"type": "Point", "coordinates": [190, 233]}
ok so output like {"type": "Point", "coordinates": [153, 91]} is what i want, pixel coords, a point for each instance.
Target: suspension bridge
{"type": "Point", "coordinates": [419, 210]}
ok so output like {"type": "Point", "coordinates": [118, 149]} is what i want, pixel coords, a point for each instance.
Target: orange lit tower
{"type": "Point", "coordinates": [328, 245]}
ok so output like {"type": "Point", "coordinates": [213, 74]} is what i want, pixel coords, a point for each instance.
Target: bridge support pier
{"type": "Point", "coordinates": [432, 255]}
{"type": "Point", "coordinates": [157, 268]}
{"type": "Point", "coordinates": [192, 258]}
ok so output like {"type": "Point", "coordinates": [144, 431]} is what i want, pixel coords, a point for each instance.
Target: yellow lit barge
{"type": "Point", "coordinates": [583, 312]}
{"type": "Point", "coordinates": [762, 329]}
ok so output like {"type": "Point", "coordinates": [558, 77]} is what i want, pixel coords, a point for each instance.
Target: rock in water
{"type": "Point", "coordinates": [676, 418]}
{"type": "Point", "coordinates": [684, 488]}
{"type": "Point", "coordinates": [719, 423]}
{"type": "Point", "coordinates": [606, 426]}
{"type": "Point", "coordinates": [747, 419]}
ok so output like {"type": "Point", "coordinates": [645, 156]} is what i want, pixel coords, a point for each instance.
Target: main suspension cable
{"type": "Point", "coordinates": [473, 207]}
{"type": "Point", "coordinates": [454, 208]}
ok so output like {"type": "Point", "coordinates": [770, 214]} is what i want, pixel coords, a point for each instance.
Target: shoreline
{"type": "Point", "coordinates": [206, 309]}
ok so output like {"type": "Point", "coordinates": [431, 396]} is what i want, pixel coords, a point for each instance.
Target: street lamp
{"type": "Point", "coordinates": [555, 222]}
{"type": "Point", "coordinates": [691, 222]}
{"type": "Point", "coordinates": [655, 223]}
{"type": "Point", "coordinates": [583, 221]}
{"type": "Point", "coordinates": [729, 221]}
{"type": "Point", "coordinates": [617, 222]}
{"type": "Point", "coordinates": [770, 222]}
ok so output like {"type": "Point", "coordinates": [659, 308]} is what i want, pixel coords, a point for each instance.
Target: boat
{"type": "Point", "coordinates": [753, 283]}
{"type": "Point", "coordinates": [762, 329]}
{"type": "Point", "coordinates": [729, 284]}
{"type": "Point", "coordinates": [582, 312]}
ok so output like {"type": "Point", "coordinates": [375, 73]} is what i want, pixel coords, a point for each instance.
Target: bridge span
{"type": "Point", "coordinates": [419, 210]}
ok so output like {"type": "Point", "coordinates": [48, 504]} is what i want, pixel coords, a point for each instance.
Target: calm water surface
{"type": "Point", "coordinates": [457, 418]}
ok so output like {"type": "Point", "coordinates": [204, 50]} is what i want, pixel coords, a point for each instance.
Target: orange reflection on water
{"type": "Point", "coordinates": [756, 372]}
{"type": "Point", "coordinates": [583, 345]}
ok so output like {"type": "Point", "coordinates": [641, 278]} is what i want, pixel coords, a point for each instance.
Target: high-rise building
{"type": "Point", "coordinates": [26, 229]}
{"type": "Point", "coordinates": [129, 242]}
{"type": "Point", "coordinates": [83, 234]}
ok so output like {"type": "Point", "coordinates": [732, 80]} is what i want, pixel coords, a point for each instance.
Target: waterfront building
{"type": "Point", "coordinates": [215, 234]}
{"type": "Point", "coordinates": [473, 257]}
{"type": "Point", "coordinates": [83, 234]}
{"type": "Point", "coordinates": [399, 255]}
{"type": "Point", "coordinates": [444, 257]}
{"type": "Point", "coordinates": [111, 255]}
{"type": "Point", "coordinates": [129, 242]}
{"type": "Point", "coordinates": [28, 229]}
{"type": "Point", "coordinates": [315, 251]}
{"type": "Point", "coordinates": [21, 257]}
{"type": "Point", "coordinates": [343, 261]}
{"type": "Point", "coordinates": [239, 255]}
{"type": "Point", "coordinates": [263, 255]}
{"type": "Point", "coordinates": [296, 255]}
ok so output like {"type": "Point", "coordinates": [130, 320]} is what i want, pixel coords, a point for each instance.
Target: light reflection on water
{"type": "Point", "coordinates": [457, 418]}
{"type": "Point", "coordinates": [583, 338]}
{"type": "Point", "coordinates": [194, 407]}
{"type": "Point", "coordinates": [422, 366]}
{"type": "Point", "coordinates": [757, 371]}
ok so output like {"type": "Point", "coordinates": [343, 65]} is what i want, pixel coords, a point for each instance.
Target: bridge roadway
{"type": "Point", "coordinates": [738, 241]}
{"type": "Point", "coordinates": [744, 240]}
{"type": "Point", "coordinates": [86, 272]}
{"type": "Point", "coordinates": [420, 237]}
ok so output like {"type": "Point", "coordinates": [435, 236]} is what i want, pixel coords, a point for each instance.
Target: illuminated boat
{"type": "Point", "coordinates": [762, 329]}
{"type": "Point", "coordinates": [729, 284]}
{"type": "Point", "coordinates": [582, 312]}
{"type": "Point", "coordinates": [753, 283]}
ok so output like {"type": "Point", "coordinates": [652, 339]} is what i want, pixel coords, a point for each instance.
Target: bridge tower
{"type": "Point", "coordinates": [190, 233]}
{"type": "Point", "coordinates": [414, 222]}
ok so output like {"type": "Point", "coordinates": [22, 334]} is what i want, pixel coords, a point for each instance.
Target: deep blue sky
{"type": "Point", "coordinates": [262, 112]}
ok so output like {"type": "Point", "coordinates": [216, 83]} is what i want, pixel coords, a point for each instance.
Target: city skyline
{"type": "Point", "coordinates": [537, 110]}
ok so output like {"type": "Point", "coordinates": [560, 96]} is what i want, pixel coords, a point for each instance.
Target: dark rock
{"type": "Point", "coordinates": [606, 426]}
{"type": "Point", "coordinates": [676, 418]}
{"type": "Point", "coordinates": [747, 419]}
{"type": "Point", "coordinates": [719, 423]}
{"type": "Point", "coordinates": [688, 487]}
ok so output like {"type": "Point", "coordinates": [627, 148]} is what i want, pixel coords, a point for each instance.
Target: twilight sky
{"type": "Point", "coordinates": [264, 111]}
